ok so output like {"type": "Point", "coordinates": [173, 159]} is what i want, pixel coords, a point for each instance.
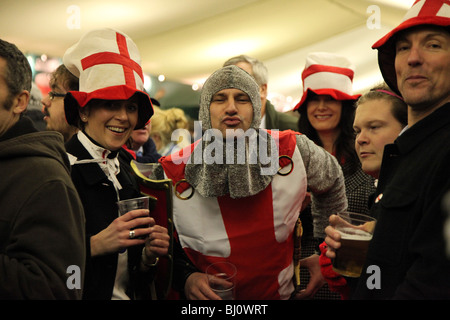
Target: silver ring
{"type": "Point", "coordinates": [131, 234]}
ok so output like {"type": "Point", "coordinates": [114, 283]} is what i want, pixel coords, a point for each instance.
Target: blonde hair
{"type": "Point", "coordinates": [166, 121]}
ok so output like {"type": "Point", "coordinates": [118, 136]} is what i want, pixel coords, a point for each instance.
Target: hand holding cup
{"type": "Point", "coordinates": [118, 235]}
{"type": "Point", "coordinates": [348, 242]}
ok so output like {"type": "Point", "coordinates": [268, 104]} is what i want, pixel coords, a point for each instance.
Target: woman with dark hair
{"type": "Point", "coordinates": [327, 111]}
{"type": "Point", "coordinates": [334, 136]}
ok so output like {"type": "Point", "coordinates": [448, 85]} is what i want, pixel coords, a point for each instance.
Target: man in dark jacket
{"type": "Point", "coordinates": [407, 257]}
{"type": "Point", "coordinates": [42, 250]}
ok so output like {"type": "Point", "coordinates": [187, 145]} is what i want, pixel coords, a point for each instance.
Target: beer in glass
{"type": "Point", "coordinates": [356, 231]}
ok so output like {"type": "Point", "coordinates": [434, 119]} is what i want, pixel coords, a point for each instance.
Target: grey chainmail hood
{"type": "Point", "coordinates": [226, 78]}
{"type": "Point", "coordinates": [221, 177]}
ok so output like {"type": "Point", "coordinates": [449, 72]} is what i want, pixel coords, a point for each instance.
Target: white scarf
{"type": "Point", "coordinates": [111, 167]}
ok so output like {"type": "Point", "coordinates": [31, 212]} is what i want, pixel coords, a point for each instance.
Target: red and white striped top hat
{"type": "Point", "coordinates": [422, 12]}
{"type": "Point", "coordinates": [107, 63]}
{"type": "Point", "coordinates": [327, 74]}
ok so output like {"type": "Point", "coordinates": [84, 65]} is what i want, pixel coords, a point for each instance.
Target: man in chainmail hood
{"type": "Point", "coordinates": [233, 164]}
{"type": "Point", "coordinates": [230, 208]}
{"type": "Point", "coordinates": [226, 78]}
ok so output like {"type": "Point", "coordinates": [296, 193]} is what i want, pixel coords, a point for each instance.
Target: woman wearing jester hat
{"type": "Point", "coordinates": [108, 107]}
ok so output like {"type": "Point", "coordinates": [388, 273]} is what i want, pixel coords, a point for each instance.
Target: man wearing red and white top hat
{"type": "Point", "coordinates": [407, 254]}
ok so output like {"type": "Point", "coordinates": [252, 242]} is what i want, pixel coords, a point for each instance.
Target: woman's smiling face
{"type": "Point", "coordinates": [324, 113]}
{"type": "Point", "coordinates": [110, 122]}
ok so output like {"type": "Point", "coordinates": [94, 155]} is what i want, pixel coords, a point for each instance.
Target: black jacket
{"type": "Point", "coordinates": [408, 244]}
{"type": "Point", "coordinates": [99, 199]}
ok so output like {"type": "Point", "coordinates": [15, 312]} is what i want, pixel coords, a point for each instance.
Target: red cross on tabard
{"type": "Point", "coordinates": [122, 58]}
{"type": "Point", "coordinates": [431, 8]}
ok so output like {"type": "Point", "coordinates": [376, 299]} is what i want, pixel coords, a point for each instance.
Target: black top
{"type": "Point", "coordinates": [408, 244]}
{"type": "Point", "coordinates": [99, 199]}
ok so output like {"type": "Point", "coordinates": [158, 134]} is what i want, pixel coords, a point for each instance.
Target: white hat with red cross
{"type": "Point", "coordinates": [107, 63]}
{"type": "Point", "coordinates": [422, 12]}
{"type": "Point", "coordinates": [327, 74]}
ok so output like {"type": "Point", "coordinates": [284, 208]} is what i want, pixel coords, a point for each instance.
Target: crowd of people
{"type": "Point", "coordinates": [244, 191]}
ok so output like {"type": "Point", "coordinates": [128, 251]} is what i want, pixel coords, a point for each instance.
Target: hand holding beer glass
{"type": "Point", "coordinates": [156, 237]}
{"type": "Point", "coordinates": [128, 205]}
{"type": "Point", "coordinates": [221, 279]}
{"type": "Point", "coordinates": [355, 231]}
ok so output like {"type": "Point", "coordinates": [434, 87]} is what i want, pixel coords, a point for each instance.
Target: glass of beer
{"type": "Point", "coordinates": [356, 231]}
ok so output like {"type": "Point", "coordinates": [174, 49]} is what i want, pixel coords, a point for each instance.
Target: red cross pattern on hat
{"type": "Point", "coordinates": [433, 12]}
{"type": "Point", "coordinates": [422, 12]}
{"type": "Point", "coordinates": [123, 58]}
{"type": "Point", "coordinates": [105, 58]}
{"type": "Point", "coordinates": [428, 8]}
{"type": "Point", "coordinates": [107, 63]}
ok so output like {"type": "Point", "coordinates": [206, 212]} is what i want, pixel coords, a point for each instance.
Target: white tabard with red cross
{"type": "Point", "coordinates": [254, 233]}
